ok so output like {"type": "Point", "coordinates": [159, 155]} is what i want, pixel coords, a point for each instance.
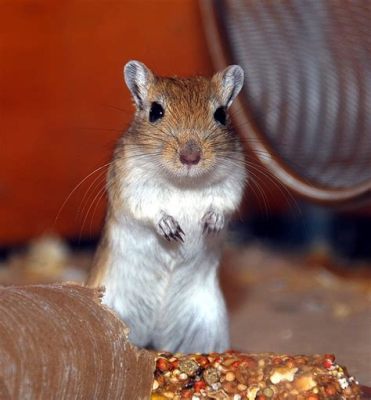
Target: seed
{"type": "Point", "coordinates": [330, 357]}
{"type": "Point", "coordinates": [183, 376]}
{"type": "Point", "coordinates": [260, 376]}
{"type": "Point", "coordinates": [211, 376]}
{"type": "Point", "coordinates": [243, 375]}
{"type": "Point", "coordinates": [276, 360]}
{"type": "Point", "coordinates": [229, 362]}
{"type": "Point", "coordinates": [155, 385]}
{"type": "Point", "coordinates": [186, 394]}
{"type": "Point", "coordinates": [327, 363]}
{"type": "Point", "coordinates": [156, 396]}
{"type": "Point", "coordinates": [268, 392]}
{"type": "Point", "coordinates": [251, 392]}
{"type": "Point", "coordinates": [161, 380]}
{"type": "Point", "coordinates": [241, 387]}
{"type": "Point", "coordinates": [162, 364]}
{"type": "Point", "coordinates": [236, 364]}
{"type": "Point", "coordinates": [230, 377]}
{"type": "Point", "coordinates": [249, 362]}
{"type": "Point", "coordinates": [305, 382]}
{"type": "Point", "coordinates": [348, 391]}
{"type": "Point", "coordinates": [221, 368]}
{"type": "Point", "coordinates": [189, 384]}
{"type": "Point", "coordinates": [199, 385]}
{"type": "Point", "coordinates": [216, 386]}
{"type": "Point", "coordinates": [300, 360]}
{"type": "Point", "coordinates": [237, 397]}
{"type": "Point", "coordinates": [188, 366]}
{"type": "Point", "coordinates": [282, 374]}
{"type": "Point", "coordinates": [203, 361]}
{"type": "Point", "coordinates": [230, 387]}
{"type": "Point", "coordinates": [330, 390]}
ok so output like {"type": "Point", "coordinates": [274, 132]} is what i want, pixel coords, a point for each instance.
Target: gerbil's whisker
{"type": "Point", "coordinates": [86, 198]}
{"type": "Point", "coordinates": [141, 155]}
{"type": "Point", "coordinates": [212, 131]}
{"type": "Point", "coordinates": [168, 132]}
{"type": "Point", "coordinates": [100, 197]}
{"type": "Point", "coordinates": [269, 176]}
{"type": "Point", "coordinates": [88, 211]}
{"type": "Point", "coordinates": [76, 187]}
{"type": "Point", "coordinates": [99, 129]}
{"type": "Point", "coordinates": [155, 138]}
{"type": "Point", "coordinates": [117, 108]}
{"type": "Point", "coordinates": [256, 188]}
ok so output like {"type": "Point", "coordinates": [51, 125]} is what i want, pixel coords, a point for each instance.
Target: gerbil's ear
{"type": "Point", "coordinates": [138, 77]}
{"type": "Point", "coordinates": [229, 82]}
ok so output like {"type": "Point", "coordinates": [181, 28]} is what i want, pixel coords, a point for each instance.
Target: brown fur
{"type": "Point", "coordinates": [189, 105]}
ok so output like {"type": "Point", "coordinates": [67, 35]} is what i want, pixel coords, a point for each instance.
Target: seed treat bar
{"type": "Point", "coordinates": [241, 376]}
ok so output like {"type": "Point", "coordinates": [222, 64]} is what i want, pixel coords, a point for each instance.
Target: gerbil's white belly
{"type": "Point", "coordinates": [149, 275]}
{"type": "Point", "coordinates": [150, 280]}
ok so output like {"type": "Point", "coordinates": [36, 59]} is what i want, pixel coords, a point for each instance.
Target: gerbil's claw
{"type": "Point", "coordinates": [178, 235]}
{"type": "Point", "coordinates": [212, 222]}
{"type": "Point", "coordinates": [170, 229]}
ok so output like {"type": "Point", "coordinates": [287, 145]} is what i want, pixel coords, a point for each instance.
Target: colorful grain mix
{"type": "Point", "coordinates": [239, 376]}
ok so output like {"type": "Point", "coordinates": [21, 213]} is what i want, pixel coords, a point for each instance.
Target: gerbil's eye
{"type": "Point", "coordinates": [156, 112]}
{"type": "Point", "coordinates": [220, 115]}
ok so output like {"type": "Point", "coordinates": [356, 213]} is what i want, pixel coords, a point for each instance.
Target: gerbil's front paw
{"type": "Point", "coordinates": [212, 222]}
{"type": "Point", "coordinates": [169, 228]}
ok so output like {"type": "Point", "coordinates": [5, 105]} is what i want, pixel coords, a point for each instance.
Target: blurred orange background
{"type": "Point", "coordinates": [63, 102]}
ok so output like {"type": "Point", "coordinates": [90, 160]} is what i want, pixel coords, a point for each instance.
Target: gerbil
{"type": "Point", "coordinates": [177, 175]}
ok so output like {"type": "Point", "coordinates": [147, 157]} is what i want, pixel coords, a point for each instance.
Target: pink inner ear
{"type": "Point", "coordinates": [137, 78]}
{"type": "Point", "coordinates": [233, 77]}
{"type": "Point", "coordinates": [230, 82]}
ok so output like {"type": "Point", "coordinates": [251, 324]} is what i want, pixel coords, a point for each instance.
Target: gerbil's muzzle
{"type": "Point", "coordinates": [190, 153]}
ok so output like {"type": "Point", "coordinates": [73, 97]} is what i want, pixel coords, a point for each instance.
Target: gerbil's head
{"type": "Point", "coordinates": [183, 123]}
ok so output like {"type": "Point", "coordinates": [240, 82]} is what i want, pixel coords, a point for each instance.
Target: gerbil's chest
{"type": "Point", "coordinates": [147, 197]}
{"type": "Point", "coordinates": [187, 206]}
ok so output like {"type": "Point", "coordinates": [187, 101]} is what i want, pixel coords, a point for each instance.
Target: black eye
{"type": "Point", "coordinates": [156, 112]}
{"type": "Point", "coordinates": [220, 115]}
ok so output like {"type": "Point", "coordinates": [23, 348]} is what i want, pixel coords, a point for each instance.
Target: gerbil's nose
{"type": "Point", "coordinates": [190, 153]}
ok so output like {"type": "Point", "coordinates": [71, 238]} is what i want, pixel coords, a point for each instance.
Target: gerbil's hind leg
{"type": "Point", "coordinates": [204, 339]}
{"type": "Point", "coordinates": [200, 326]}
